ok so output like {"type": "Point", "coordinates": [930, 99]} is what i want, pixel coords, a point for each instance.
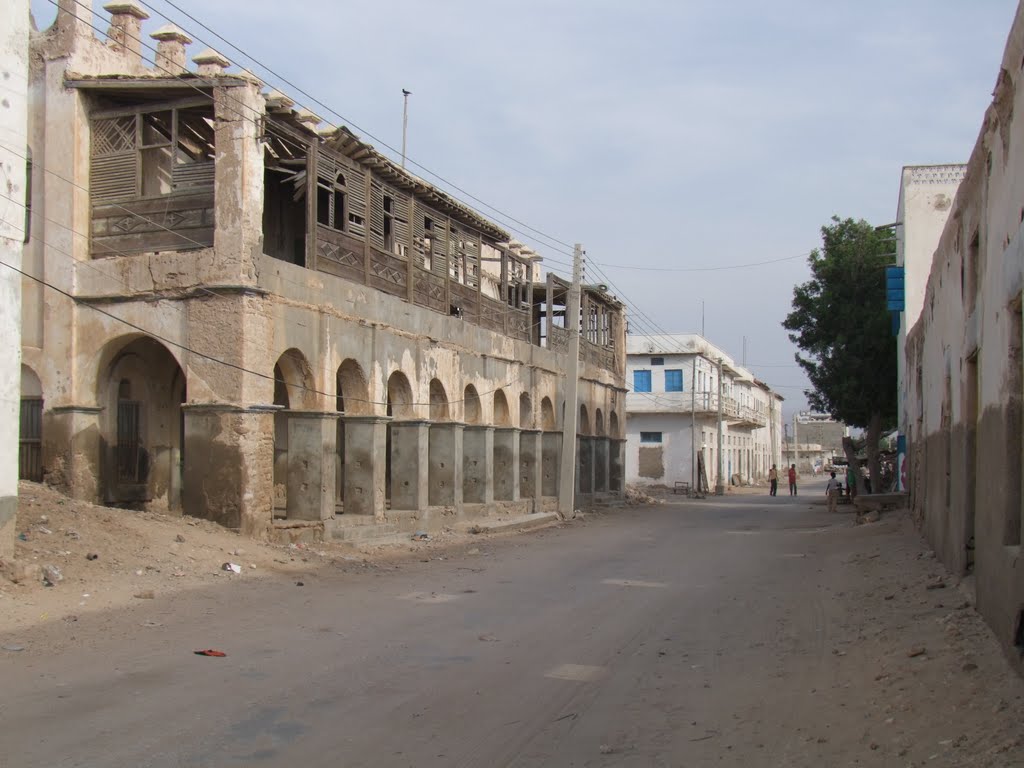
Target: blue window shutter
{"type": "Point", "coordinates": [673, 380]}
{"type": "Point", "coordinates": [641, 381]}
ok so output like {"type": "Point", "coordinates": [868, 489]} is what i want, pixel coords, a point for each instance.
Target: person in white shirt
{"type": "Point", "coordinates": [832, 492]}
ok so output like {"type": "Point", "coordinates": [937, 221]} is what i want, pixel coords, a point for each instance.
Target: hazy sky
{"type": "Point", "coordinates": [677, 134]}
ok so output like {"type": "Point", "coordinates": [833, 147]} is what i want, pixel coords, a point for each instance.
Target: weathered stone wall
{"type": "Point", "coordinates": [963, 369]}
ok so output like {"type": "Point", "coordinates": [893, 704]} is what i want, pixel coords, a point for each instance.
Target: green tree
{"type": "Point", "coordinates": [841, 324]}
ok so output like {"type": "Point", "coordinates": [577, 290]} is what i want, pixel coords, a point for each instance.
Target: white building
{"type": "Point", "coordinates": [13, 159]}
{"type": "Point", "coordinates": [672, 414]}
{"type": "Point", "coordinates": [926, 198]}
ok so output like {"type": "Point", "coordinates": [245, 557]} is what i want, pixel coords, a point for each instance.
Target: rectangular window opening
{"type": "Point", "coordinates": [650, 437]}
{"type": "Point", "coordinates": [673, 380]}
{"type": "Point", "coordinates": [641, 381]}
{"type": "Point", "coordinates": [657, 361]}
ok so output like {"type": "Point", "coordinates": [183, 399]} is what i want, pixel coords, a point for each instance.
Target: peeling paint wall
{"type": "Point", "coordinates": [226, 366]}
{"type": "Point", "coordinates": [964, 369]}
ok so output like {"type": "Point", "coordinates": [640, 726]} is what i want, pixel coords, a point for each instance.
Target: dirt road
{"type": "Point", "coordinates": [744, 631]}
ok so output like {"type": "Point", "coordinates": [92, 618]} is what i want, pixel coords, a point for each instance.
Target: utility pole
{"type": "Point", "coordinates": [693, 427]}
{"type": "Point", "coordinates": [796, 446]}
{"type": "Point", "coordinates": [719, 484]}
{"type": "Point", "coordinates": [405, 120]}
{"type": "Point", "coordinates": [567, 470]}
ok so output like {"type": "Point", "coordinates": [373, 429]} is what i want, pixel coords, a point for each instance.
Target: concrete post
{"type": "Point", "coordinates": [616, 469]}
{"type": "Point", "coordinates": [478, 465]}
{"type": "Point", "coordinates": [410, 470]}
{"type": "Point", "coordinates": [602, 464]}
{"type": "Point", "coordinates": [506, 464]}
{"type": "Point", "coordinates": [365, 463]}
{"type": "Point", "coordinates": [551, 450]}
{"type": "Point", "coordinates": [311, 472]}
{"type": "Point", "coordinates": [71, 450]}
{"type": "Point", "coordinates": [446, 465]}
{"type": "Point", "coordinates": [13, 147]}
{"type": "Point", "coordinates": [228, 473]}
{"type": "Point", "coordinates": [531, 470]}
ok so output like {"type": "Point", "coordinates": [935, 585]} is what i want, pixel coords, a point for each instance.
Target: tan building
{"type": "Point", "coordinates": [266, 324]}
{"type": "Point", "coordinates": [964, 381]}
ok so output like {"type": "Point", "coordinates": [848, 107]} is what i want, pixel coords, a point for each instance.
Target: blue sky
{"type": "Point", "coordinates": [673, 134]}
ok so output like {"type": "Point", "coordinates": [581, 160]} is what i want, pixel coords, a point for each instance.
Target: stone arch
{"type": "Point", "coordinates": [294, 383]}
{"type": "Point", "coordinates": [613, 424]}
{"type": "Point", "coordinates": [352, 393]}
{"type": "Point", "coordinates": [438, 401]}
{"type": "Point", "coordinates": [525, 411]}
{"type": "Point", "coordinates": [30, 428]}
{"type": "Point", "coordinates": [400, 402]}
{"type": "Point", "coordinates": [583, 427]}
{"type": "Point", "coordinates": [471, 405]}
{"type": "Point", "coordinates": [547, 415]}
{"type": "Point", "coordinates": [141, 387]}
{"type": "Point", "coordinates": [502, 418]}
{"type": "Point", "coordinates": [598, 423]}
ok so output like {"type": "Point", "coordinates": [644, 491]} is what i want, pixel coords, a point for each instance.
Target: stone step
{"type": "Point", "coordinates": [517, 523]}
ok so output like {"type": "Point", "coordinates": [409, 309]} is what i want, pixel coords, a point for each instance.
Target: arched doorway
{"type": "Point", "coordinates": [294, 389]}
{"type": "Point", "coordinates": [471, 405]}
{"type": "Point", "coordinates": [142, 428]}
{"type": "Point", "coordinates": [525, 411]}
{"type": "Point", "coordinates": [547, 415]}
{"type": "Point", "coordinates": [598, 423]}
{"type": "Point", "coordinates": [30, 427]}
{"type": "Point", "coordinates": [400, 408]}
{"type": "Point", "coordinates": [613, 425]}
{"type": "Point", "coordinates": [501, 414]}
{"type": "Point", "coordinates": [583, 427]}
{"type": "Point", "coordinates": [352, 398]}
{"type": "Point", "coordinates": [438, 401]}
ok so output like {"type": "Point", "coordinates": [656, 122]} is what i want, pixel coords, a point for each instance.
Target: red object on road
{"type": "Point", "coordinates": [210, 652]}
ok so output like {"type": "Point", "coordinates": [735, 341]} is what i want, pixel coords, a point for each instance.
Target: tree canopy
{"type": "Point", "coordinates": [841, 325]}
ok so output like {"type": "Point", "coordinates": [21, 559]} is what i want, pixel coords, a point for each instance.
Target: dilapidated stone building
{"type": "Point", "coordinates": [964, 382]}
{"type": "Point", "coordinates": [234, 312]}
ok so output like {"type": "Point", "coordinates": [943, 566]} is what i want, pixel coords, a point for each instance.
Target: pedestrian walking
{"type": "Point", "coordinates": [832, 492]}
{"type": "Point", "coordinates": [773, 480]}
{"type": "Point", "coordinates": [792, 479]}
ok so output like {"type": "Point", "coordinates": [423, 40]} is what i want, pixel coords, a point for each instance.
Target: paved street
{"type": "Point", "coordinates": [742, 631]}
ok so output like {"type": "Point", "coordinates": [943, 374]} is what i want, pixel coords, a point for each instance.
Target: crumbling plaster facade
{"type": "Point", "coordinates": [964, 369]}
{"type": "Point", "coordinates": [257, 340]}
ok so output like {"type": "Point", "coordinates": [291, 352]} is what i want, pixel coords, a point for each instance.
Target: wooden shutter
{"type": "Point", "coordinates": [376, 214]}
{"type": "Point", "coordinates": [356, 184]}
{"type": "Point", "coordinates": [400, 219]}
{"type": "Point", "coordinates": [114, 172]}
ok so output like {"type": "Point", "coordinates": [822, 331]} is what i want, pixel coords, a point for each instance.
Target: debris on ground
{"type": "Point", "coordinates": [634, 496]}
{"type": "Point", "coordinates": [231, 567]}
{"type": "Point", "coordinates": [211, 652]}
{"type": "Point", "coordinates": [421, 536]}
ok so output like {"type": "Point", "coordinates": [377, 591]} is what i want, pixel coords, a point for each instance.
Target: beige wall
{"type": "Point", "coordinates": [963, 368]}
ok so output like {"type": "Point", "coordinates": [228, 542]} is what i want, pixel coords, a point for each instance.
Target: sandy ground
{"type": "Point", "coordinates": [108, 557]}
{"type": "Point", "coordinates": [742, 631]}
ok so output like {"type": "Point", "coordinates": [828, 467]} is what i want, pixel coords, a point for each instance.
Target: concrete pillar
{"type": "Point", "coordinates": [446, 464]}
{"type": "Point", "coordinates": [531, 473]}
{"type": "Point", "coordinates": [170, 50]}
{"type": "Point", "coordinates": [506, 464]}
{"type": "Point", "coordinates": [478, 464]}
{"type": "Point", "coordinates": [410, 470]}
{"type": "Point", "coordinates": [238, 181]}
{"type": "Point", "coordinates": [125, 33]}
{"type": "Point", "coordinates": [601, 464]}
{"type": "Point", "coordinates": [211, 63]}
{"type": "Point", "coordinates": [228, 470]}
{"type": "Point", "coordinates": [71, 450]}
{"type": "Point", "coordinates": [365, 462]}
{"type": "Point", "coordinates": [551, 457]}
{"type": "Point", "coordinates": [311, 476]}
{"type": "Point", "coordinates": [584, 464]}
{"type": "Point", "coordinates": [616, 466]}
{"type": "Point", "coordinates": [13, 145]}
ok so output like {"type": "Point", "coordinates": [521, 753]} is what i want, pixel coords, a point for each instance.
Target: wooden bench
{"type": "Point", "coordinates": [682, 487]}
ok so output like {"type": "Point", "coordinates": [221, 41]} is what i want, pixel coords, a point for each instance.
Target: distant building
{"type": "Point", "coordinates": [822, 429]}
{"type": "Point", "coordinates": [672, 410]}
